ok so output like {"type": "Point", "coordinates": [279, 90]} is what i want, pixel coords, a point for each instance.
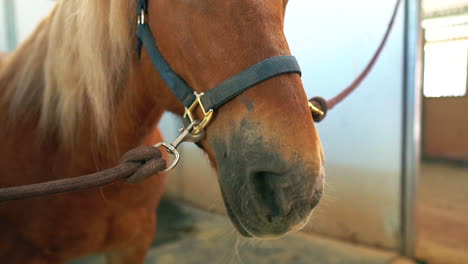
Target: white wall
{"type": "Point", "coordinates": [29, 13]}
{"type": "Point", "coordinates": [3, 43]}
{"type": "Point", "coordinates": [362, 137]}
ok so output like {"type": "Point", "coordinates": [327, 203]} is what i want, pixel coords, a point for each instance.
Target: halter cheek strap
{"type": "Point", "coordinates": [217, 96]}
{"type": "Point", "coordinates": [175, 83]}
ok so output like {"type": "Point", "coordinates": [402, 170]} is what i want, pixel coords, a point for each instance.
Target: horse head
{"type": "Point", "coordinates": [263, 143]}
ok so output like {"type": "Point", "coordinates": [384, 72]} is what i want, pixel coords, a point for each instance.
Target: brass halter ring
{"type": "Point", "coordinates": [315, 109]}
{"type": "Point", "coordinates": [191, 116]}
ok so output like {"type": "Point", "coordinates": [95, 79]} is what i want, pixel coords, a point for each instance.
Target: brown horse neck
{"type": "Point", "coordinates": [3, 56]}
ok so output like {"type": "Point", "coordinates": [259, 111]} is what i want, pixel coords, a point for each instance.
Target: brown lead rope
{"type": "Point", "coordinates": [135, 166]}
{"type": "Point", "coordinates": [324, 105]}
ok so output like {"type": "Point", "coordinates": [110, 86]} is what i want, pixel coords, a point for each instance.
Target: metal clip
{"type": "Point", "coordinates": [190, 114]}
{"type": "Point", "coordinates": [185, 136]}
{"type": "Point", "coordinates": [171, 150]}
{"type": "Point", "coordinates": [315, 109]}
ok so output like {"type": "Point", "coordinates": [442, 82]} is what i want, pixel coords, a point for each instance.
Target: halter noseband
{"type": "Point", "coordinates": [217, 96]}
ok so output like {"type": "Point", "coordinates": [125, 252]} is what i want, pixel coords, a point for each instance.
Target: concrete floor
{"type": "Point", "coordinates": [190, 236]}
{"type": "Point", "coordinates": [187, 235]}
{"type": "Point", "coordinates": [442, 213]}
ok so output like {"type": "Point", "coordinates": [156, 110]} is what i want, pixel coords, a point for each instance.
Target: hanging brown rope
{"type": "Point", "coordinates": [325, 105]}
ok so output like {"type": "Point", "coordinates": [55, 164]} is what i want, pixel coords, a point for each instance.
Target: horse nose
{"type": "Point", "coordinates": [272, 201]}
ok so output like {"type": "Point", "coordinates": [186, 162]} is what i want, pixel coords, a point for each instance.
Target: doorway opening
{"type": "Point", "coordinates": [442, 202]}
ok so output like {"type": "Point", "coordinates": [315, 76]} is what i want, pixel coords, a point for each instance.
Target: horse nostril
{"type": "Point", "coordinates": [272, 201]}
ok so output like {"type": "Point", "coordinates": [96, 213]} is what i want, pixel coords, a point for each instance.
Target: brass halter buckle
{"type": "Point", "coordinates": [315, 110]}
{"type": "Point", "coordinates": [191, 115]}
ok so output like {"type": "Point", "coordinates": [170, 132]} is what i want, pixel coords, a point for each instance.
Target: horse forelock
{"type": "Point", "coordinates": [75, 62]}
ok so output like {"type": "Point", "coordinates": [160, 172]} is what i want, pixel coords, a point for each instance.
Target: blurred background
{"type": "Point", "coordinates": [396, 150]}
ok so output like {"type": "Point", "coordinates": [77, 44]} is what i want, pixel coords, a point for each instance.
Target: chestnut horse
{"type": "Point", "coordinates": [75, 96]}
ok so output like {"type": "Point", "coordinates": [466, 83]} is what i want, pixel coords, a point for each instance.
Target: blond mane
{"type": "Point", "coordinates": [77, 57]}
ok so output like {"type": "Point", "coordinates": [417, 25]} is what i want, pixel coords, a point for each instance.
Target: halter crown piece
{"type": "Point", "coordinates": [217, 96]}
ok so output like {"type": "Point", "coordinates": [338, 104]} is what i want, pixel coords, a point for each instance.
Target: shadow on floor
{"type": "Point", "coordinates": [187, 235]}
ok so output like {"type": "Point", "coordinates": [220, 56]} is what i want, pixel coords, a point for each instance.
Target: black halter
{"type": "Point", "coordinates": [217, 96]}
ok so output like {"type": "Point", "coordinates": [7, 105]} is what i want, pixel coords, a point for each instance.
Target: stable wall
{"type": "Point", "coordinates": [29, 13]}
{"type": "Point", "coordinates": [362, 137]}
{"type": "Point", "coordinates": [445, 128]}
{"type": "Point", "coordinates": [3, 34]}
{"type": "Point", "coordinates": [18, 18]}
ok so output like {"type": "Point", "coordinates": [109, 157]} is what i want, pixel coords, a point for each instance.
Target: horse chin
{"type": "Point", "coordinates": [248, 234]}
{"type": "Point", "coordinates": [240, 228]}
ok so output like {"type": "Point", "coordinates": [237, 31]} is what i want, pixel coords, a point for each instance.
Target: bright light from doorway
{"type": "Point", "coordinates": [445, 72]}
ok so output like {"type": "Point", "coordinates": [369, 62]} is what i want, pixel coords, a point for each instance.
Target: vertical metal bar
{"type": "Point", "coordinates": [10, 22]}
{"type": "Point", "coordinates": [466, 81]}
{"type": "Point", "coordinates": [423, 98]}
{"type": "Point", "coordinates": [411, 122]}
